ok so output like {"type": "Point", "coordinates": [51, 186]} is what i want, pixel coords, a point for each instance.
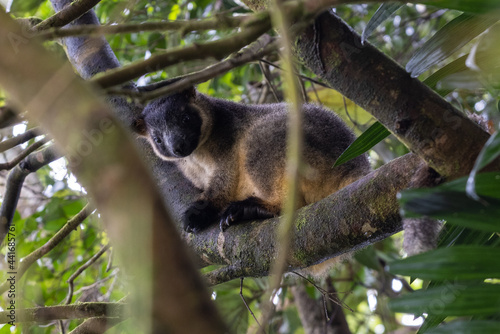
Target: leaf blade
{"type": "Point", "coordinates": [452, 299]}
{"type": "Point", "coordinates": [467, 327]}
{"type": "Point", "coordinates": [371, 137]}
{"type": "Point", "coordinates": [454, 35]}
{"type": "Point", "coordinates": [460, 262]}
{"type": "Point", "coordinates": [382, 13]}
{"type": "Point", "coordinates": [471, 6]}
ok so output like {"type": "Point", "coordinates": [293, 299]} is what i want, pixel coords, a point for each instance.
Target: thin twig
{"type": "Point", "coordinates": [268, 79]}
{"type": "Point", "coordinates": [37, 254]}
{"type": "Point", "coordinates": [22, 138]}
{"type": "Point", "coordinates": [247, 306]}
{"type": "Point", "coordinates": [61, 327]}
{"type": "Point", "coordinates": [27, 151]}
{"type": "Point", "coordinates": [15, 181]}
{"type": "Point", "coordinates": [110, 260]}
{"type": "Point", "coordinates": [348, 114]}
{"type": "Point", "coordinates": [324, 292]}
{"type": "Point", "coordinates": [92, 287]}
{"type": "Point", "coordinates": [80, 270]}
{"type": "Point", "coordinates": [315, 92]}
{"type": "Point", "coordinates": [304, 77]}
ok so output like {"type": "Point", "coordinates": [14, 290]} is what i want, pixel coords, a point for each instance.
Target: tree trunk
{"type": "Point", "coordinates": [312, 312]}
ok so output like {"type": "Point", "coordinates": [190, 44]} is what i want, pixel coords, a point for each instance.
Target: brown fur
{"type": "Point", "coordinates": [236, 154]}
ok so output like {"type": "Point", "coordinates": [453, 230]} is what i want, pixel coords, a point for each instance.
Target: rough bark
{"type": "Point", "coordinates": [106, 162]}
{"type": "Point", "coordinates": [360, 214]}
{"type": "Point", "coordinates": [428, 125]}
{"type": "Point", "coordinates": [76, 311]}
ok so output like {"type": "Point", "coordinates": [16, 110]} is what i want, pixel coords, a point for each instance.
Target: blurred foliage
{"type": "Point", "coordinates": [468, 78]}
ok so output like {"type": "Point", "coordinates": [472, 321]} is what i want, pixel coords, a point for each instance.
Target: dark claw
{"type": "Point", "coordinates": [199, 216]}
{"type": "Point", "coordinates": [232, 214]}
{"type": "Point", "coordinates": [226, 221]}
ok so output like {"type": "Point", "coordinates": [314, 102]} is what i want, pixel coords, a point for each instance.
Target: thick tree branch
{"type": "Point", "coordinates": [76, 311]}
{"type": "Point", "coordinates": [18, 140]}
{"type": "Point", "coordinates": [183, 26]}
{"type": "Point", "coordinates": [260, 48]}
{"type": "Point", "coordinates": [27, 151]}
{"type": "Point", "coordinates": [66, 15]}
{"type": "Point", "coordinates": [15, 181]}
{"type": "Point", "coordinates": [432, 128]}
{"type": "Point", "coordinates": [217, 49]}
{"type": "Point", "coordinates": [356, 216]}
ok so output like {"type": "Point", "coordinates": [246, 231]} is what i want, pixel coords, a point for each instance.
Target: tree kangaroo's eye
{"type": "Point", "coordinates": [157, 140]}
{"type": "Point", "coordinates": [186, 118]}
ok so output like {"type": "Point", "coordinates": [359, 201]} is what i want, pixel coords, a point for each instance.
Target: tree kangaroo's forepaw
{"type": "Point", "coordinates": [248, 209]}
{"type": "Point", "coordinates": [199, 216]}
{"type": "Point", "coordinates": [231, 215]}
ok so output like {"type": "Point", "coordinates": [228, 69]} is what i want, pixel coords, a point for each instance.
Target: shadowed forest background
{"type": "Point", "coordinates": [89, 219]}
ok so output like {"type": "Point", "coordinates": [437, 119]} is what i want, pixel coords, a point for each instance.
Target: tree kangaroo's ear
{"type": "Point", "coordinates": [138, 126]}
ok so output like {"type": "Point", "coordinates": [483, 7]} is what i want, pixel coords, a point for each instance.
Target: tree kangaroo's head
{"type": "Point", "coordinates": [174, 125]}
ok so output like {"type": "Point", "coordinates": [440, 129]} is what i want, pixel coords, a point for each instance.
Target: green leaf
{"type": "Point", "coordinates": [371, 137]}
{"type": "Point", "coordinates": [447, 41]}
{"type": "Point", "coordinates": [20, 7]}
{"type": "Point", "coordinates": [73, 207]}
{"type": "Point", "coordinates": [382, 13]}
{"type": "Point", "coordinates": [489, 152]}
{"type": "Point", "coordinates": [451, 299]}
{"type": "Point", "coordinates": [431, 321]}
{"type": "Point", "coordinates": [487, 184]}
{"type": "Point", "coordinates": [292, 320]}
{"type": "Point", "coordinates": [449, 201]}
{"type": "Point", "coordinates": [6, 329]}
{"type": "Point", "coordinates": [455, 66]}
{"type": "Point", "coordinates": [156, 41]}
{"type": "Point", "coordinates": [467, 327]}
{"type": "Point", "coordinates": [233, 311]}
{"type": "Point", "coordinates": [55, 224]}
{"type": "Point", "coordinates": [472, 6]}
{"type": "Point", "coordinates": [459, 262]}
{"type": "Point", "coordinates": [454, 207]}
{"type": "Point", "coordinates": [368, 257]}
{"type": "Point", "coordinates": [465, 80]}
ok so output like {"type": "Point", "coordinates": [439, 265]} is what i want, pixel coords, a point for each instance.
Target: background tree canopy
{"type": "Point", "coordinates": [89, 246]}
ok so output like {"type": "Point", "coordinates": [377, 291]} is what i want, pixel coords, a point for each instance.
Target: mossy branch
{"type": "Point", "coordinates": [183, 26]}
{"type": "Point", "coordinates": [217, 49]}
{"type": "Point", "coordinates": [74, 311]}
{"type": "Point", "coordinates": [360, 214]}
